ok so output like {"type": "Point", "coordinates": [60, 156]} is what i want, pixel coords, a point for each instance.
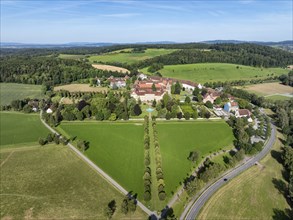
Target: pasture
{"type": "Point", "coordinates": [274, 91]}
{"type": "Point", "coordinates": [115, 147]}
{"type": "Point", "coordinates": [72, 56]}
{"type": "Point", "coordinates": [51, 182]}
{"type": "Point", "coordinates": [258, 193]}
{"type": "Point", "coordinates": [178, 139]}
{"type": "Point", "coordinates": [211, 72]}
{"type": "Point", "coordinates": [118, 57]}
{"type": "Point", "coordinates": [21, 128]}
{"type": "Point", "coordinates": [110, 68]}
{"type": "Point", "coordinates": [13, 91]}
{"type": "Point", "coordinates": [80, 88]}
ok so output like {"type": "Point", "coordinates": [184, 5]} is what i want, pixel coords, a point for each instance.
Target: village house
{"type": "Point", "coordinates": [117, 82]}
{"type": "Point", "coordinates": [142, 76]}
{"type": "Point", "coordinates": [231, 106]}
{"type": "Point", "coordinates": [211, 96]}
{"type": "Point", "coordinates": [241, 113]}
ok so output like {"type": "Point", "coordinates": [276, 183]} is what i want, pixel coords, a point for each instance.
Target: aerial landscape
{"type": "Point", "coordinates": [138, 109]}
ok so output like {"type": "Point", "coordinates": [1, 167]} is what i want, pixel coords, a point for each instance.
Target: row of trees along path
{"type": "Point", "coordinates": [156, 203]}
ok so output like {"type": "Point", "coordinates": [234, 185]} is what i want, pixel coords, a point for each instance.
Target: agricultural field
{"type": "Point", "coordinates": [51, 182]}
{"type": "Point", "coordinates": [258, 193]}
{"type": "Point", "coordinates": [13, 91]}
{"type": "Point", "coordinates": [19, 128]}
{"type": "Point", "coordinates": [130, 58]}
{"type": "Point", "coordinates": [80, 88]}
{"type": "Point", "coordinates": [72, 56]}
{"type": "Point", "coordinates": [115, 147]}
{"type": "Point", "coordinates": [210, 72]}
{"type": "Point", "coordinates": [273, 91]}
{"type": "Point", "coordinates": [110, 68]}
{"type": "Point", "coordinates": [178, 139]}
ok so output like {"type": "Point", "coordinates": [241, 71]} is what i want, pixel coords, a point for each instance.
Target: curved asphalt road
{"type": "Point", "coordinates": [100, 171]}
{"type": "Point", "coordinates": [193, 208]}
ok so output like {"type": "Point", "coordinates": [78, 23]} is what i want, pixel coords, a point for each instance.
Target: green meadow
{"type": "Point", "coordinates": [51, 182]}
{"type": "Point", "coordinates": [21, 128]}
{"type": "Point", "coordinates": [115, 147]}
{"type": "Point", "coordinates": [178, 139]}
{"type": "Point", "coordinates": [13, 91]}
{"type": "Point", "coordinates": [210, 72]}
{"type": "Point", "coordinates": [119, 57]}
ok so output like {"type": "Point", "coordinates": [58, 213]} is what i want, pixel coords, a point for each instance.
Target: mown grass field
{"type": "Point", "coordinates": [110, 68]}
{"type": "Point", "coordinates": [78, 87]}
{"type": "Point", "coordinates": [13, 91]}
{"type": "Point", "coordinates": [178, 139]}
{"type": "Point", "coordinates": [129, 57]}
{"type": "Point", "coordinates": [210, 72]}
{"type": "Point", "coordinates": [19, 128]}
{"type": "Point", "coordinates": [115, 147]}
{"type": "Point", "coordinates": [273, 91]}
{"type": "Point", "coordinates": [255, 194]}
{"type": "Point", "coordinates": [51, 182]}
{"type": "Point", "coordinates": [71, 56]}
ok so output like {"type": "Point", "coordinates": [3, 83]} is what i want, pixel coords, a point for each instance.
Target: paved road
{"type": "Point", "coordinates": [100, 171]}
{"type": "Point", "coordinates": [193, 208]}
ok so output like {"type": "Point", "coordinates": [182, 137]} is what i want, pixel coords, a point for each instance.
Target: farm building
{"type": "Point", "coordinates": [241, 113]}
{"type": "Point", "coordinates": [211, 96]}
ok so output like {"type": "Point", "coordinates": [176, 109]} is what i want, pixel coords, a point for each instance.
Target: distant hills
{"type": "Point", "coordinates": [286, 45]}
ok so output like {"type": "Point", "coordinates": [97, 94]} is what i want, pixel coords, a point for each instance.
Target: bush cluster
{"type": "Point", "coordinates": [57, 139]}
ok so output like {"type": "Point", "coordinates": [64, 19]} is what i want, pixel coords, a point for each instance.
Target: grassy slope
{"type": "Point", "coordinates": [13, 91]}
{"type": "Point", "coordinates": [252, 195]}
{"type": "Point", "coordinates": [116, 147]}
{"type": "Point", "coordinates": [177, 139]}
{"type": "Point", "coordinates": [20, 128]}
{"type": "Point", "coordinates": [130, 57]}
{"type": "Point", "coordinates": [208, 72]}
{"type": "Point", "coordinates": [53, 183]}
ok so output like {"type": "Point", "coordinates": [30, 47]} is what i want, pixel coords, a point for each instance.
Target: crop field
{"type": "Point", "coordinates": [110, 68]}
{"type": "Point", "coordinates": [80, 88]}
{"type": "Point", "coordinates": [209, 72]}
{"type": "Point", "coordinates": [51, 182]}
{"type": "Point", "coordinates": [115, 147]}
{"type": "Point", "coordinates": [178, 139]}
{"type": "Point", "coordinates": [129, 57]}
{"type": "Point", "coordinates": [20, 128]}
{"type": "Point", "coordinates": [13, 91]}
{"type": "Point", "coordinates": [258, 193]}
{"type": "Point", "coordinates": [275, 91]}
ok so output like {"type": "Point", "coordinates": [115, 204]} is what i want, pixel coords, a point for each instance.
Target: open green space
{"type": "Point", "coordinates": [258, 193]}
{"type": "Point", "coordinates": [178, 139]}
{"type": "Point", "coordinates": [278, 97]}
{"type": "Point", "coordinates": [210, 72]}
{"type": "Point", "coordinates": [115, 147]}
{"type": "Point", "coordinates": [51, 182]}
{"type": "Point", "coordinates": [19, 128]}
{"type": "Point", "coordinates": [13, 91]}
{"type": "Point", "coordinates": [129, 57]}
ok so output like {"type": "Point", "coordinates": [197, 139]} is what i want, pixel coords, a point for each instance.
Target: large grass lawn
{"type": "Point", "coordinates": [209, 72]}
{"type": "Point", "coordinates": [255, 194]}
{"type": "Point", "coordinates": [52, 183]}
{"type": "Point", "coordinates": [129, 57]}
{"type": "Point", "coordinates": [115, 147]}
{"type": "Point", "coordinates": [178, 139]}
{"type": "Point", "coordinates": [13, 91]}
{"type": "Point", "coordinates": [19, 128]}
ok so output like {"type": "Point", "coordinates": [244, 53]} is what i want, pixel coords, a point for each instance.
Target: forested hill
{"type": "Point", "coordinates": [46, 70]}
{"type": "Point", "coordinates": [244, 54]}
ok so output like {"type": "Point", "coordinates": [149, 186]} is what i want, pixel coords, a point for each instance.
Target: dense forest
{"type": "Point", "coordinates": [47, 70]}
{"type": "Point", "coordinates": [244, 54]}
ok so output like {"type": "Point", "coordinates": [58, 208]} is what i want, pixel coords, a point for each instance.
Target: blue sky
{"type": "Point", "coordinates": [124, 21]}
